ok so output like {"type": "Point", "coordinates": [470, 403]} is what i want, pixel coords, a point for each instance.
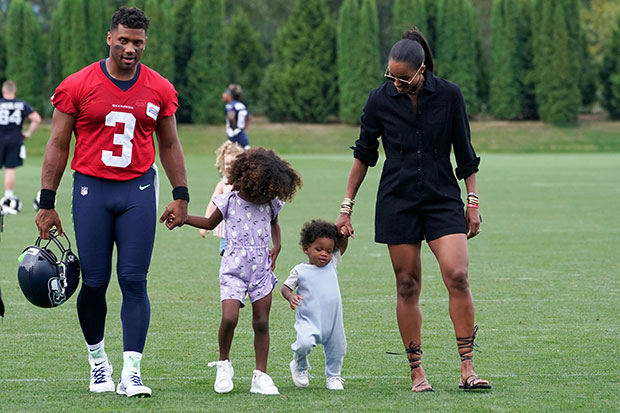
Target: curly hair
{"type": "Point", "coordinates": [260, 176]}
{"type": "Point", "coordinates": [318, 228]}
{"type": "Point", "coordinates": [131, 17]}
{"type": "Point", "coordinates": [227, 148]}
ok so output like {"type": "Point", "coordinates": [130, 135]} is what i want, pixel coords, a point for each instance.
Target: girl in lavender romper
{"type": "Point", "coordinates": [261, 181]}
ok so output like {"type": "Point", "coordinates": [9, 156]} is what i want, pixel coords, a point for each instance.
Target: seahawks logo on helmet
{"type": "Point", "coordinates": [45, 280]}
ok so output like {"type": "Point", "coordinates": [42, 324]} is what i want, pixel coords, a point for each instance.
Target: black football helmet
{"type": "Point", "coordinates": [46, 281]}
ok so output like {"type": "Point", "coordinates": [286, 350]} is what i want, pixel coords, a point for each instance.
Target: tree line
{"type": "Point", "coordinates": [537, 63]}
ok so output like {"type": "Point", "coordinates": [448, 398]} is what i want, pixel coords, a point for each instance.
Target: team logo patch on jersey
{"type": "Point", "coordinates": [152, 110]}
{"type": "Point", "coordinates": [84, 191]}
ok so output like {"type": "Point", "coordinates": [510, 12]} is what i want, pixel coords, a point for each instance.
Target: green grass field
{"type": "Point", "coordinates": [544, 274]}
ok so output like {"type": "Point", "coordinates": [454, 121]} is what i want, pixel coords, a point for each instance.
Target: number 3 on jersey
{"type": "Point", "coordinates": [122, 139]}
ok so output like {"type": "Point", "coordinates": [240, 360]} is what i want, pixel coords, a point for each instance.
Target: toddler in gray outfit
{"type": "Point", "coordinates": [318, 303]}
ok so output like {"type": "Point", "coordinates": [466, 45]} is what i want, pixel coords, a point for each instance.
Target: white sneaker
{"type": "Point", "coordinates": [131, 385]}
{"type": "Point", "coordinates": [262, 383]}
{"type": "Point", "coordinates": [223, 378]}
{"type": "Point", "coordinates": [101, 377]}
{"type": "Point", "coordinates": [335, 383]}
{"type": "Point", "coordinates": [300, 377]}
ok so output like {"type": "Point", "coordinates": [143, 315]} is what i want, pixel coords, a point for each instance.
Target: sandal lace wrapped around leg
{"type": "Point", "coordinates": [466, 346]}
{"type": "Point", "coordinates": [414, 355]}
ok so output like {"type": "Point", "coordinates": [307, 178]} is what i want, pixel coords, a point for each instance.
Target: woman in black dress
{"type": "Point", "coordinates": [420, 118]}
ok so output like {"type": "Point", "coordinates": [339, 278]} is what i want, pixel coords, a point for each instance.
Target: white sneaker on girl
{"type": "Point", "coordinates": [223, 378]}
{"type": "Point", "coordinates": [262, 383]}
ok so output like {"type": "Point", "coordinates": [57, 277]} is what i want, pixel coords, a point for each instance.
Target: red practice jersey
{"type": "Point", "coordinates": [114, 129]}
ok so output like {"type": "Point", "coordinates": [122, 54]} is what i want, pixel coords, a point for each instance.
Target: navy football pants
{"type": "Point", "coordinates": [121, 213]}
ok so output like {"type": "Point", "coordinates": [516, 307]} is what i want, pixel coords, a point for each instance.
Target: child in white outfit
{"type": "Point", "coordinates": [226, 155]}
{"type": "Point", "coordinates": [318, 303]}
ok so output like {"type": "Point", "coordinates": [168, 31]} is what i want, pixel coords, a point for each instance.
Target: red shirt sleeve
{"type": "Point", "coordinates": [171, 100]}
{"type": "Point", "coordinates": [65, 97]}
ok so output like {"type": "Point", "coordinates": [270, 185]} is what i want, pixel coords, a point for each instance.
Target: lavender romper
{"type": "Point", "coordinates": [246, 265]}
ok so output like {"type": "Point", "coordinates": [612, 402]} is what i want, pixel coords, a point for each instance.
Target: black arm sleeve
{"type": "Point", "coordinates": [466, 160]}
{"type": "Point", "coordinates": [366, 147]}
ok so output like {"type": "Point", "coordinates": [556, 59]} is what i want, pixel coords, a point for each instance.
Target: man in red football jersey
{"type": "Point", "coordinates": [114, 106]}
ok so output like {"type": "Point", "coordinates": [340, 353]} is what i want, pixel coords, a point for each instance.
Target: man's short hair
{"type": "Point", "coordinates": [235, 91]}
{"type": "Point", "coordinates": [131, 17]}
{"type": "Point", "coordinates": [9, 86]}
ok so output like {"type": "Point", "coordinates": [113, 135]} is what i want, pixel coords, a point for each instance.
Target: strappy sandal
{"type": "Point", "coordinates": [468, 344]}
{"type": "Point", "coordinates": [414, 355]}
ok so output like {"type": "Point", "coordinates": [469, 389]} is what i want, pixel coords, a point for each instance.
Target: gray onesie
{"type": "Point", "coordinates": [319, 315]}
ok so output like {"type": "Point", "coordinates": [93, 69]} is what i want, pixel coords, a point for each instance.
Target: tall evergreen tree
{"type": "Point", "coordinates": [348, 53]}
{"type": "Point", "coordinates": [98, 16]}
{"type": "Point", "coordinates": [431, 8]}
{"type": "Point", "coordinates": [246, 57]}
{"type": "Point", "coordinates": [456, 52]}
{"type": "Point", "coordinates": [24, 55]}
{"type": "Point", "coordinates": [610, 73]}
{"type": "Point", "coordinates": [483, 60]}
{"type": "Point", "coordinates": [2, 57]}
{"type": "Point", "coordinates": [369, 59]}
{"type": "Point", "coordinates": [299, 84]}
{"type": "Point", "coordinates": [588, 82]}
{"type": "Point", "coordinates": [207, 68]}
{"type": "Point", "coordinates": [407, 13]}
{"type": "Point", "coordinates": [54, 58]}
{"type": "Point", "coordinates": [506, 95]}
{"type": "Point", "coordinates": [74, 53]}
{"type": "Point", "coordinates": [183, 50]}
{"type": "Point", "coordinates": [159, 54]}
{"type": "Point", "coordinates": [557, 86]}
{"type": "Point", "coordinates": [574, 30]}
{"type": "Point", "coordinates": [526, 55]}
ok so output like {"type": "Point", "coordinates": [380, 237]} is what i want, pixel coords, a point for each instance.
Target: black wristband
{"type": "Point", "coordinates": [47, 200]}
{"type": "Point", "coordinates": [180, 192]}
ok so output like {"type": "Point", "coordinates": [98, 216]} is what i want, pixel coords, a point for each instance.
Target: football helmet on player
{"type": "Point", "coordinates": [46, 281]}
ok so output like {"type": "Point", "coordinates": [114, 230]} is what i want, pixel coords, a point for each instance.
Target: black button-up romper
{"type": "Point", "coordinates": [419, 196]}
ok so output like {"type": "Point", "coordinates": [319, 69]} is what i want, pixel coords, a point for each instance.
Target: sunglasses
{"type": "Point", "coordinates": [393, 78]}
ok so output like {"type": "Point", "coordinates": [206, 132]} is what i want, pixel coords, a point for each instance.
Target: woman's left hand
{"type": "Point", "coordinates": [472, 215]}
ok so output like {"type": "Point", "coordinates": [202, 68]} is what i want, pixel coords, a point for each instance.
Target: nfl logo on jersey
{"type": "Point", "coordinates": [84, 191]}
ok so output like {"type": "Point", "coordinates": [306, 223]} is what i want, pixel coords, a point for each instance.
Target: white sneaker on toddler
{"type": "Point", "coordinates": [262, 383]}
{"type": "Point", "coordinates": [101, 376]}
{"type": "Point", "coordinates": [223, 378]}
{"type": "Point", "coordinates": [335, 383]}
{"type": "Point", "coordinates": [300, 377]}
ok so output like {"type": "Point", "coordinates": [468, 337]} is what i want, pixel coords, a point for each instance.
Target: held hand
{"type": "Point", "coordinates": [293, 302]}
{"type": "Point", "coordinates": [204, 232]}
{"type": "Point", "coordinates": [273, 254]}
{"type": "Point", "coordinates": [343, 223]}
{"type": "Point", "coordinates": [170, 221]}
{"type": "Point", "coordinates": [45, 220]}
{"type": "Point", "coordinates": [472, 216]}
{"type": "Point", "coordinates": [175, 214]}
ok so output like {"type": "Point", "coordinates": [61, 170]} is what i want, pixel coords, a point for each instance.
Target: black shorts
{"type": "Point", "coordinates": [409, 226]}
{"type": "Point", "coordinates": [10, 154]}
